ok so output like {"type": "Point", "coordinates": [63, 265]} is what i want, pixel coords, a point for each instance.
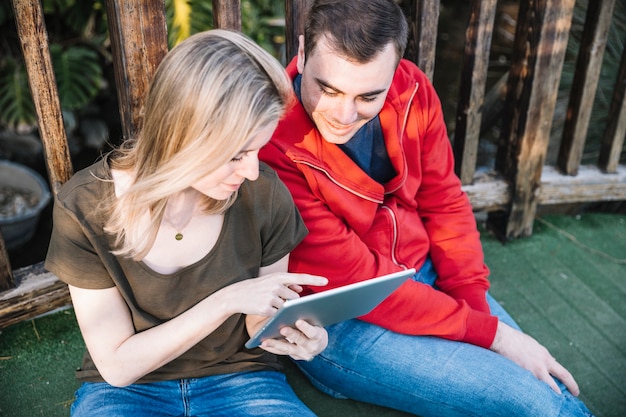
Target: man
{"type": "Point", "coordinates": [367, 159]}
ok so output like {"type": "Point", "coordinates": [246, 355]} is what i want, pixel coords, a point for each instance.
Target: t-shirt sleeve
{"type": "Point", "coordinates": [285, 229]}
{"type": "Point", "coordinates": [71, 255]}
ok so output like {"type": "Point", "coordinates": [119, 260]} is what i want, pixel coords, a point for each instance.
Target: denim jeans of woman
{"type": "Point", "coordinates": [244, 394]}
{"type": "Point", "coordinates": [430, 376]}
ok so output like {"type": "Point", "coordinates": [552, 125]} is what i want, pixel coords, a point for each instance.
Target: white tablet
{"type": "Point", "coordinates": [332, 306]}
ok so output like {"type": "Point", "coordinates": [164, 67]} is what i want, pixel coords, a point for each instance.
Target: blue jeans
{"type": "Point", "coordinates": [244, 394]}
{"type": "Point", "coordinates": [430, 376]}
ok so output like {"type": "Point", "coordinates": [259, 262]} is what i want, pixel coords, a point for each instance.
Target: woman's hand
{"type": "Point", "coordinates": [123, 356]}
{"type": "Point", "coordinates": [263, 296]}
{"type": "Point", "coordinates": [301, 343]}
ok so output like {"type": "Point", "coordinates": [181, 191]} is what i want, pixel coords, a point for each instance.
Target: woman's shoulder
{"type": "Point", "coordinates": [268, 188]}
{"type": "Point", "coordinates": [267, 172]}
{"type": "Point", "coordinates": [86, 186]}
{"type": "Point", "coordinates": [267, 179]}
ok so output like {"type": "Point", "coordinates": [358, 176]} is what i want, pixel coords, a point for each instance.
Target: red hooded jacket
{"type": "Point", "coordinates": [359, 229]}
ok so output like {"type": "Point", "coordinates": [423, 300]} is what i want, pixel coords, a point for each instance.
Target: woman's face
{"type": "Point", "coordinates": [224, 181]}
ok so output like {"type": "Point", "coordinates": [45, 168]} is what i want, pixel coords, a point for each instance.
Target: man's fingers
{"type": "Point", "coordinates": [307, 329]}
{"type": "Point", "coordinates": [566, 378]}
{"type": "Point", "coordinates": [284, 347]}
{"type": "Point", "coordinates": [547, 378]}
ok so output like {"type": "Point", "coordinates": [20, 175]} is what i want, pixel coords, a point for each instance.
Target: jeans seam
{"type": "Point", "coordinates": [184, 395]}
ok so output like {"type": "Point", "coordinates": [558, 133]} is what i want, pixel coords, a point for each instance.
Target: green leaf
{"type": "Point", "coordinates": [16, 103]}
{"type": "Point", "coordinates": [78, 74]}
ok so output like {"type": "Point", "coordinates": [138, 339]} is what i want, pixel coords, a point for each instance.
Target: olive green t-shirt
{"type": "Point", "coordinates": [260, 228]}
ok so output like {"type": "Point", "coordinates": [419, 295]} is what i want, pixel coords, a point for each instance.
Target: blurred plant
{"type": "Point", "coordinates": [80, 49]}
{"type": "Point", "coordinates": [186, 17]}
{"type": "Point", "coordinates": [262, 20]}
{"type": "Point", "coordinates": [78, 40]}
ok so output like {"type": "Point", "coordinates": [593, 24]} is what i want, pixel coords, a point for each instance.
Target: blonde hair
{"type": "Point", "coordinates": [210, 94]}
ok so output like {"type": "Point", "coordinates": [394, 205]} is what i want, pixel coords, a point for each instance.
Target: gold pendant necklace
{"type": "Point", "coordinates": [179, 219]}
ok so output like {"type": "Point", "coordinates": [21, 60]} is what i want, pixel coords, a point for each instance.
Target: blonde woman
{"type": "Point", "coordinates": [175, 246]}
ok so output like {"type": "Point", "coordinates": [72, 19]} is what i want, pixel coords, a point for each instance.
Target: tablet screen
{"type": "Point", "coordinates": [332, 306]}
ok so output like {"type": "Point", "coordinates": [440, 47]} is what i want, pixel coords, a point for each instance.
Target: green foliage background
{"type": "Point", "coordinates": [80, 49]}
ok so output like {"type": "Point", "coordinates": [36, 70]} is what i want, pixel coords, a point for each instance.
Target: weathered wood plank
{"type": "Point", "coordinates": [472, 88]}
{"type": "Point", "coordinates": [37, 292]}
{"type": "Point", "coordinates": [584, 85]}
{"type": "Point", "coordinates": [227, 14]}
{"type": "Point", "coordinates": [295, 18]}
{"type": "Point", "coordinates": [31, 29]}
{"type": "Point", "coordinates": [423, 19]}
{"type": "Point", "coordinates": [138, 34]}
{"type": "Point", "coordinates": [539, 50]}
{"type": "Point", "coordinates": [494, 103]}
{"type": "Point", "coordinates": [488, 192]}
{"type": "Point", "coordinates": [590, 185]}
{"type": "Point", "coordinates": [615, 131]}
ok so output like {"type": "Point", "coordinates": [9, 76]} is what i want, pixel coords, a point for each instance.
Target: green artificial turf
{"type": "Point", "coordinates": [37, 363]}
{"type": "Point", "coordinates": [566, 286]}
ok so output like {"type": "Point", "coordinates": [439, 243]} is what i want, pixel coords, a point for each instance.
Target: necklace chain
{"type": "Point", "coordinates": [179, 229]}
{"type": "Point", "coordinates": [179, 226]}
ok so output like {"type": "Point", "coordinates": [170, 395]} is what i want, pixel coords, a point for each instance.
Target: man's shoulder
{"type": "Point", "coordinates": [409, 68]}
{"type": "Point", "coordinates": [291, 132]}
{"type": "Point", "coordinates": [408, 74]}
{"type": "Point", "coordinates": [410, 78]}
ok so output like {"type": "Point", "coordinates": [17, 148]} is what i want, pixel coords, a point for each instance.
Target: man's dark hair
{"type": "Point", "coordinates": [357, 29]}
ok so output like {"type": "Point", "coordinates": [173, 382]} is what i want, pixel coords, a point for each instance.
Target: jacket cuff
{"type": "Point", "coordinates": [481, 329]}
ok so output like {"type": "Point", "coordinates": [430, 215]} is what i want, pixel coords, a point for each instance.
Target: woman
{"type": "Point", "coordinates": [160, 243]}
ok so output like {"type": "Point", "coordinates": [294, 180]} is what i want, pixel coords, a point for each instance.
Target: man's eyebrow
{"type": "Point", "coordinates": [330, 87]}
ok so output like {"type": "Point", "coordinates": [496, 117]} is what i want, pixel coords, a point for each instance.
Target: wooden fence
{"type": "Point", "coordinates": [521, 180]}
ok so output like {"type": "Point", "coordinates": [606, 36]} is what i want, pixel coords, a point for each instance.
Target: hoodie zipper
{"type": "Point", "coordinates": [404, 122]}
{"type": "Point", "coordinates": [394, 220]}
{"type": "Point", "coordinates": [394, 243]}
{"type": "Point", "coordinates": [345, 187]}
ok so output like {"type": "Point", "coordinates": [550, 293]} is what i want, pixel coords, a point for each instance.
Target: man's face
{"type": "Point", "coordinates": [339, 95]}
